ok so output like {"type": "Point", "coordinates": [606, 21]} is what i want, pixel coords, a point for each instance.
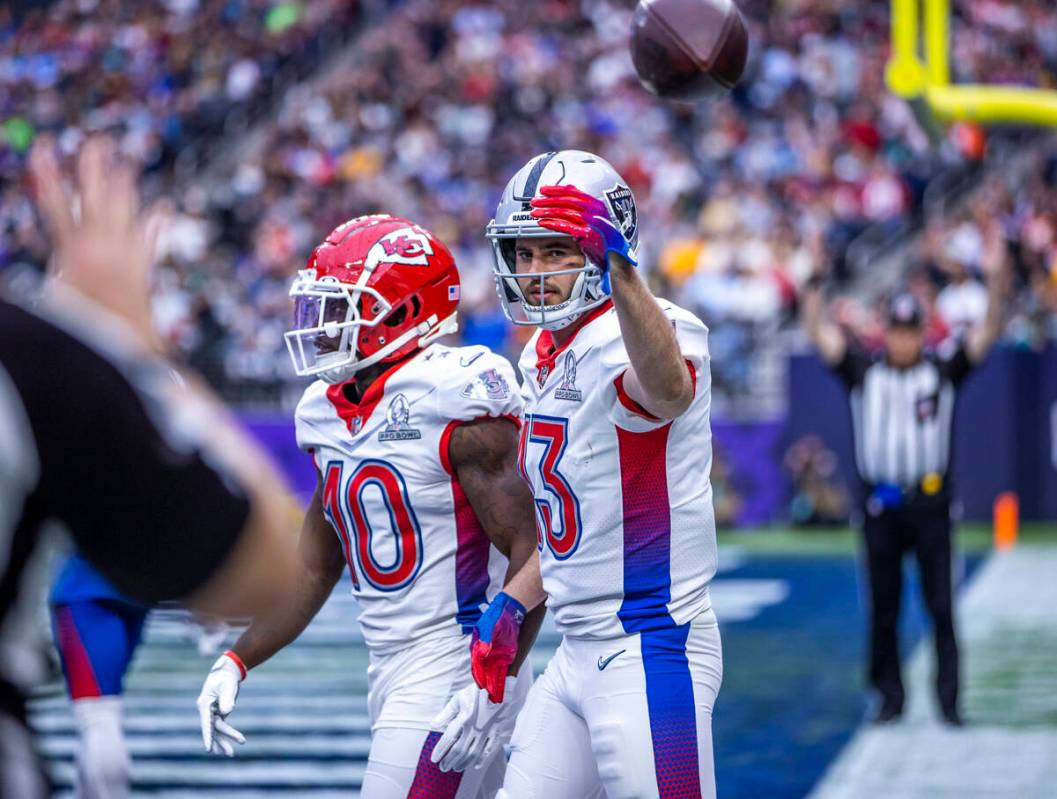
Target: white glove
{"type": "Point", "coordinates": [216, 701]}
{"type": "Point", "coordinates": [473, 727]}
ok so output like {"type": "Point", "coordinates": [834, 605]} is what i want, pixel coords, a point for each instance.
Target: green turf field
{"type": "Point", "coordinates": [972, 537]}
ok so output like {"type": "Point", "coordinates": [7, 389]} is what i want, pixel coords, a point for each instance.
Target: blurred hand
{"type": "Point", "coordinates": [994, 259]}
{"type": "Point", "coordinates": [103, 245]}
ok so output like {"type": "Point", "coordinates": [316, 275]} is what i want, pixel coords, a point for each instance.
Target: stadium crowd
{"type": "Point", "coordinates": [164, 77]}
{"type": "Point", "coordinates": [740, 199]}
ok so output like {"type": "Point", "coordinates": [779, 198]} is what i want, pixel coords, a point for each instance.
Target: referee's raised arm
{"type": "Point", "coordinates": [982, 337]}
{"type": "Point", "coordinates": [827, 338]}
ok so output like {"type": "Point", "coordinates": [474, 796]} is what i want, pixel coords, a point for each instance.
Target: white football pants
{"type": "Point", "coordinates": [623, 718]}
{"type": "Point", "coordinates": [405, 692]}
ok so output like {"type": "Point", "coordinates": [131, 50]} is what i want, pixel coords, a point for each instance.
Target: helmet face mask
{"type": "Point", "coordinates": [354, 308]}
{"type": "Point", "coordinates": [327, 320]}
{"type": "Point", "coordinates": [521, 311]}
{"type": "Point", "coordinates": [513, 221]}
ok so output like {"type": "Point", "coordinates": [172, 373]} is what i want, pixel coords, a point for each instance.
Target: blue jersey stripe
{"type": "Point", "coordinates": [673, 715]}
{"type": "Point", "coordinates": [471, 560]}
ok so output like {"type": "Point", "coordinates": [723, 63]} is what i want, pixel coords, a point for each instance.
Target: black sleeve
{"type": "Point", "coordinates": [955, 367]}
{"type": "Point", "coordinates": [852, 367]}
{"type": "Point", "coordinates": [142, 504]}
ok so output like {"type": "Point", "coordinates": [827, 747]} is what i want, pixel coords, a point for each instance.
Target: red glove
{"type": "Point", "coordinates": [493, 645]}
{"type": "Point", "coordinates": [566, 209]}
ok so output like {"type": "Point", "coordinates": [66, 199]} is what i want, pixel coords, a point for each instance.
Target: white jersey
{"type": "Point", "coordinates": [420, 562]}
{"type": "Point", "coordinates": [624, 503]}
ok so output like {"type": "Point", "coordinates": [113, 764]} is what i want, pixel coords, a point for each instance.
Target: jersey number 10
{"type": "Point", "coordinates": [345, 510]}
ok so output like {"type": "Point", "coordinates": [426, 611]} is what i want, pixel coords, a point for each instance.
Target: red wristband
{"type": "Point", "coordinates": [237, 661]}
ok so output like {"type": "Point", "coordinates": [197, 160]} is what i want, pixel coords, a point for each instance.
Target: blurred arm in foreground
{"type": "Point", "coordinates": [173, 499]}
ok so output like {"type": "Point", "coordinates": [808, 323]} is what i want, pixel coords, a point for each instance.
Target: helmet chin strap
{"type": "Point", "coordinates": [427, 331]}
{"type": "Point", "coordinates": [338, 374]}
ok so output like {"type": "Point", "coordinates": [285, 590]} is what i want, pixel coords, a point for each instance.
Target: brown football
{"type": "Point", "coordinates": [688, 50]}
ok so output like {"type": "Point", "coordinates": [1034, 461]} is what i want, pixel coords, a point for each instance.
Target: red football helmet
{"type": "Point", "coordinates": [377, 288]}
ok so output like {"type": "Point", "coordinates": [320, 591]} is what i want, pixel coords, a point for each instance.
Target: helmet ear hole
{"type": "Point", "coordinates": [413, 306]}
{"type": "Point", "coordinates": [397, 317]}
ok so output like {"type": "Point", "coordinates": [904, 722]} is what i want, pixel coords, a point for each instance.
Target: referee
{"type": "Point", "coordinates": [902, 403]}
{"type": "Point", "coordinates": [158, 489]}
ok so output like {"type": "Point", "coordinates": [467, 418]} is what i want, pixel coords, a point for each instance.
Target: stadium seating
{"type": "Point", "coordinates": [740, 198]}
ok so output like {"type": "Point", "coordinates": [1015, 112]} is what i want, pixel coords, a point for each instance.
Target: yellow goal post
{"type": "Point", "coordinates": [919, 69]}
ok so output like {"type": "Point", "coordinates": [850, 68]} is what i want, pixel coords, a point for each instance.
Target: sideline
{"type": "Point", "coordinates": [1008, 638]}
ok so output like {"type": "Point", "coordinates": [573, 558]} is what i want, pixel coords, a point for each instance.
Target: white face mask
{"type": "Point", "coordinates": [327, 320]}
{"type": "Point", "coordinates": [586, 292]}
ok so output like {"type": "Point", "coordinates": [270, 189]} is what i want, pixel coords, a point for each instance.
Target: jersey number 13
{"type": "Point", "coordinates": [558, 523]}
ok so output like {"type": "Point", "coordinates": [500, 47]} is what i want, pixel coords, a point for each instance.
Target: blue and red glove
{"type": "Point", "coordinates": [566, 209]}
{"type": "Point", "coordinates": [493, 644]}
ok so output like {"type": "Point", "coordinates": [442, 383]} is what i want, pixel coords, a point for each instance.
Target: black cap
{"type": "Point", "coordinates": [905, 310]}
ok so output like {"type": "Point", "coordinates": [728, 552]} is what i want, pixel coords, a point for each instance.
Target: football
{"type": "Point", "coordinates": [688, 50]}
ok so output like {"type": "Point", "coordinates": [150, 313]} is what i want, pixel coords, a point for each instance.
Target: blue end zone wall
{"type": "Point", "coordinates": [1005, 430]}
{"type": "Point", "coordinates": [1005, 438]}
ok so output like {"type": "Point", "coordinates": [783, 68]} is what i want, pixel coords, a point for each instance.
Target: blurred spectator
{"type": "Point", "coordinates": [726, 499]}
{"type": "Point", "coordinates": [819, 497]}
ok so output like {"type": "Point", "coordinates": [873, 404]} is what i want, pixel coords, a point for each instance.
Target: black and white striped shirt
{"type": "Point", "coordinates": [902, 418]}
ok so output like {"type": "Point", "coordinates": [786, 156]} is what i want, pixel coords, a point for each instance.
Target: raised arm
{"type": "Point", "coordinates": [657, 378]}
{"type": "Point", "coordinates": [103, 250]}
{"type": "Point", "coordinates": [483, 454]}
{"type": "Point", "coordinates": [826, 337]}
{"type": "Point", "coordinates": [983, 336]}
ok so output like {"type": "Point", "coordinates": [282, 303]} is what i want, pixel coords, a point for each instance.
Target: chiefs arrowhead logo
{"type": "Point", "coordinates": [404, 246]}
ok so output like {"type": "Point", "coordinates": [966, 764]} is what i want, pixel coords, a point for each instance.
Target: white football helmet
{"type": "Point", "coordinates": [513, 220]}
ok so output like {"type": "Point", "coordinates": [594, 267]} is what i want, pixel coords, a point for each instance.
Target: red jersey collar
{"type": "Point", "coordinates": [355, 415]}
{"type": "Point", "coordinates": [547, 354]}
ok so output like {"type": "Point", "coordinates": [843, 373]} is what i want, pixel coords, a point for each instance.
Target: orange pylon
{"type": "Point", "coordinates": [1006, 513]}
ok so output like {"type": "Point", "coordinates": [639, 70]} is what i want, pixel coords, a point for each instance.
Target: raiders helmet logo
{"type": "Point", "coordinates": [621, 204]}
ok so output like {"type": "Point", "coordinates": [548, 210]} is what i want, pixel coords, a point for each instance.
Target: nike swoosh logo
{"type": "Point", "coordinates": [602, 663]}
{"type": "Point", "coordinates": [464, 362]}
